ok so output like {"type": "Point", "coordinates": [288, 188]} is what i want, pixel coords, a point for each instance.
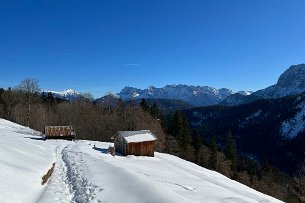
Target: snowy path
{"type": "Point", "coordinates": [68, 182]}
{"type": "Point", "coordinates": [58, 188]}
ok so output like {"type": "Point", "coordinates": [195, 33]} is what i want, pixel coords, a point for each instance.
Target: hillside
{"type": "Point", "coordinates": [87, 174]}
{"type": "Point", "coordinates": [270, 129]}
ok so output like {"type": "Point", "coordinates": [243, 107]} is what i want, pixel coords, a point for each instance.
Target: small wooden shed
{"type": "Point", "coordinates": [138, 143]}
{"type": "Point", "coordinates": [60, 132]}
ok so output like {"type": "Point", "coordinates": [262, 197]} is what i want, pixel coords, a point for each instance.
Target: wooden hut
{"type": "Point", "coordinates": [138, 143]}
{"type": "Point", "coordinates": [60, 132]}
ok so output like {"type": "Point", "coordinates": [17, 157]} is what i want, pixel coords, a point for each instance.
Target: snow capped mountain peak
{"type": "Point", "coordinates": [245, 93]}
{"type": "Point", "coordinates": [291, 82]}
{"type": "Point", "coordinates": [68, 94]}
{"type": "Point", "coordinates": [195, 95]}
{"type": "Point", "coordinates": [114, 95]}
{"type": "Point", "coordinates": [69, 91]}
{"type": "Point", "coordinates": [64, 92]}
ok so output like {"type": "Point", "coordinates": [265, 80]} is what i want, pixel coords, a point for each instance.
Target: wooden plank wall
{"type": "Point", "coordinates": [59, 132]}
{"type": "Point", "coordinates": [141, 148]}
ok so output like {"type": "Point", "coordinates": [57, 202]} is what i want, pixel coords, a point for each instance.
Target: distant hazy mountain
{"type": "Point", "coordinates": [110, 99]}
{"type": "Point", "coordinates": [291, 82]}
{"type": "Point", "coordinates": [194, 95]}
{"type": "Point", "coordinates": [68, 94]}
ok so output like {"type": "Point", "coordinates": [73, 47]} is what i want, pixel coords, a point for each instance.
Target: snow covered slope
{"type": "Point", "coordinates": [24, 159]}
{"type": "Point", "coordinates": [85, 172]}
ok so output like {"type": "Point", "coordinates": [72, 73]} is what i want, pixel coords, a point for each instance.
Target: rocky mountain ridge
{"type": "Point", "coordinates": [194, 95]}
{"type": "Point", "coordinates": [291, 82]}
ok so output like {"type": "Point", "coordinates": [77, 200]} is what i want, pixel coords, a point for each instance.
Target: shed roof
{"type": "Point", "coordinates": [137, 136]}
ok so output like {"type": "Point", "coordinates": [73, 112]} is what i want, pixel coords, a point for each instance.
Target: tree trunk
{"type": "Point", "coordinates": [29, 111]}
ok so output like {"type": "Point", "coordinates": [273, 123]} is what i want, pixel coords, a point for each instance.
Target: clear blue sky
{"type": "Point", "coordinates": [99, 46]}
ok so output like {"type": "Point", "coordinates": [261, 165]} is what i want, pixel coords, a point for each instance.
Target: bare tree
{"type": "Point", "coordinates": [29, 87]}
{"type": "Point", "coordinates": [298, 183]}
{"type": "Point", "coordinates": [10, 99]}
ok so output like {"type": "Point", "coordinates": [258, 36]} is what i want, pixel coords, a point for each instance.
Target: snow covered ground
{"type": "Point", "coordinates": [87, 174]}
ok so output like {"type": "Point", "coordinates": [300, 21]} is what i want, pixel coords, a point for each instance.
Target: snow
{"type": "Point", "coordinates": [63, 93]}
{"type": "Point", "coordinates": [245, 93]}
{"type": "Point", "coordinates": [137, 136]}
{"type": "Point", "coordinates": [140, 138]}
{"type": "Point", "coordinates": [135, 94]}
{"type": "Point", "coordinates": [292, 127]}
{"type": "Point", "coordinates": [24, 160]}
{"type": "Point", "coordinates": [68, 94]}
{"type": "Point", "coordinates": [84, 173]}
{"type": "Point", "coordinates": [251, 118]}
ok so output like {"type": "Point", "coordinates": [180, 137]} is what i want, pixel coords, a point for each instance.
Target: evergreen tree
{"type": "Point", "coordinates": [1, 103]}
{"type": "Point", "coordinates": [181, 130]}
{"type": "Point", "coordinates": [197, 145]}
{"type": "Point", "coordinates": [155, 111]}
{"type": "Point", "coordinates": [213, 162]}
{"type": "Point", "coordinates": [231, 154]}
{"type": "Point", "coordinates": [169, 124]}
{"type": "Point", "coordinates": [144, 105]}
{"type": "Point", "coordinates": [266, 166]}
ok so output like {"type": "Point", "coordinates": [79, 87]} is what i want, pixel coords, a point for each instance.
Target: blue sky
{"type": "Point", "coordinates": [101, 46]}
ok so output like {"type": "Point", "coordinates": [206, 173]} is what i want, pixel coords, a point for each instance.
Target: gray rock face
{"type": "Point", "coordinates": [291, 82]}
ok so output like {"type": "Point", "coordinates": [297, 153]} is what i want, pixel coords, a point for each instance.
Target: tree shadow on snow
{"type": "Point", "coordinates": [103, 150]}
{"type": "Point", "coordinates": [36, 138]}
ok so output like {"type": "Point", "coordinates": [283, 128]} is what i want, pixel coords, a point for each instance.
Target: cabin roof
{"type": "Point", "coordinates": [137, 136]}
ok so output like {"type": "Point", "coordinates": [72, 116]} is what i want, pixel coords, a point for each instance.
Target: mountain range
{"type": "Point", "coordinates": [194, 95]}
{"type": "Point", "coordinates": [68, 95]}
{"type": "Point", "coordinates": [291, 82]}
{"type": "Point", "coordinates": [267, 125]}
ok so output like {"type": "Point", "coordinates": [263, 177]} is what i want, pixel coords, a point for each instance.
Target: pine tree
{"type": "Point", "coordinates": [197, 145]}
{"type": "Point", "coordinates": [1, 103]}
{"type": "Point", "coordinates": [213, 162]}
{"type": "Point", "coordinates": [144, 105]}
{"type": "Point", "coordinates": [169, 124]}
{"type": "Point", "coordinates": [266, 166]}
{"type": "Point", "coordinates": [231, 154]}
{"type": "Point", "coordinates": [181, 130]}
{"type": "Point", "coordinates": [155, 111]}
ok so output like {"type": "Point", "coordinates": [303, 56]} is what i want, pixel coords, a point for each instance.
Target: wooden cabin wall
{"type": "Point", "coordinates": [141, 148]}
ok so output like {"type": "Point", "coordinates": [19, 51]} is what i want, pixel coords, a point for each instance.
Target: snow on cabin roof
{"type": "Point", "coordinates": [137, 136]}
